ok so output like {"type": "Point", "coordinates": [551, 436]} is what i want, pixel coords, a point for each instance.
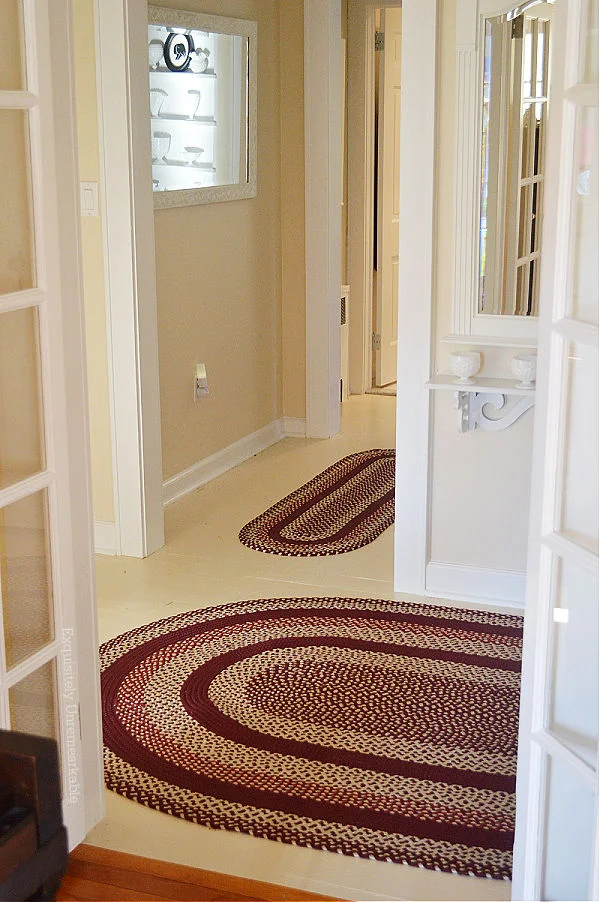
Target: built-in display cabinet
{"type": "Point", "coordinates": [202, 72]}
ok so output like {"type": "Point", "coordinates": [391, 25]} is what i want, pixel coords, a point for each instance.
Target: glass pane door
{"type": "Point", "coordinates": [28, 643]}
{"type": "Point", "coordinates": [40, 515]}
{"type": "Point", "coordinates": [557, 790]}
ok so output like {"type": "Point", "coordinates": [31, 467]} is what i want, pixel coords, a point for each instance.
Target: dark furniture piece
{"type": "Point", "coordinates": [33, 840]}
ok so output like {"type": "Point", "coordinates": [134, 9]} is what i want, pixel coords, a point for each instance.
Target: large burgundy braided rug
{"type": "Point", "coordinates": [378, 729]}
{"type": "Point", "coordinates": [343, 508]}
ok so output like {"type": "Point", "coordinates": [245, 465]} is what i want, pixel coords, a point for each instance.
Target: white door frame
{"type": "Point", "coordinates": [417, 188]}
{"type": "Point", "coordinates": [128, 223]}
{"type": "Point", "coordinates": [323, 181]}
{"type": "Point", "coordinates": [361, 190]}
{"type": "Point", "coordinates": [361, 185]}
{"type": "Point", "coordinates": [415, 293]}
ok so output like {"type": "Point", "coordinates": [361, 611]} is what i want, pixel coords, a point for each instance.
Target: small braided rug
{"type": "Point", "coordinates": [343, 508]}
{"type": "Point", "coordinates": [379, 729]}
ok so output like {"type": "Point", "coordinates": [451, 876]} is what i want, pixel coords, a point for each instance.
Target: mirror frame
{"type": "Point", "coordinates": [160, 15]}
{"type": "Point", "coordinates": [468, 324]}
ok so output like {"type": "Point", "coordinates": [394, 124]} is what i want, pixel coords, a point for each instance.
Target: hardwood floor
{"type": "Point", "coordinates": [101, 874]}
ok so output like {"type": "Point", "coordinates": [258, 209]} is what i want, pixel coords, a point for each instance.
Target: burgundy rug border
{"type": "Point", "coordinates": [434, 616]}
{"type": "Point", "coordinates": [342, 846]}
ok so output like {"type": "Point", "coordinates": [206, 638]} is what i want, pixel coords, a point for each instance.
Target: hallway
{"type": "Point", "coordinates": [204, 564]}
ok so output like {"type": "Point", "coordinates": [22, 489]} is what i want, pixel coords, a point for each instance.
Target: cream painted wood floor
{"type": "Point", "coordinates": [204, 564]}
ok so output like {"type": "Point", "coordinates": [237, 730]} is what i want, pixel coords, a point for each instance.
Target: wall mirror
{"type": "Point", "coordinates": [502, 115]}
{"type": "Point", "coordinates": [203, 104]}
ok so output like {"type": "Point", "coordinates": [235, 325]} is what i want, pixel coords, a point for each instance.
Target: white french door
{"type": "Point", "coordinates": [556, 844]}
{"type": "Point", "coordinates": [48, 649]}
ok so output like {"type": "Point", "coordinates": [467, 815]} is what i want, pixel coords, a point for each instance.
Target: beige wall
{"type": "Point", "coordinates": [219, 287]}
{"type": "Point", "coordinates": [93, 264]}
{"type": "Point", "coordinates": [480, 481]}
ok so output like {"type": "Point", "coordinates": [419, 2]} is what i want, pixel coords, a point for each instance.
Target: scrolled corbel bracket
{"type": "Point", "coordinates": [472, 414]}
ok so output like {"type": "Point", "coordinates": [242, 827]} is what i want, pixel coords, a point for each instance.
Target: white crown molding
{"type": "Point", "coordinates": [479, 584]}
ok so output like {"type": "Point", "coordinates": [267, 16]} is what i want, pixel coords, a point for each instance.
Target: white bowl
{"type": "Point", "coordinates": [194, 155]}
{"type": "Point", "coordinates": [523, 368]}
{"type": "Point", "coordinates": [465, 364]}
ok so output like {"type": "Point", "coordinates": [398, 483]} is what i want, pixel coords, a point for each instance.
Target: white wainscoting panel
{"type": "Point", "coordinates": [478, 584]}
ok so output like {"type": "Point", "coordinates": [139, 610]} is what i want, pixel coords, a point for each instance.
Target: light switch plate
{"type": "Point", "coordinates": [89, 198]}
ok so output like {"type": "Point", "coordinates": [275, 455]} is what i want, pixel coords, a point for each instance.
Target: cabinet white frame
{"type": "Point", "coordinates": [468, 324]}
{"type": "Point", "coordinates": [222, 25]}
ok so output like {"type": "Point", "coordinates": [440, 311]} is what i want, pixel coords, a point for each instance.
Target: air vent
{"type": "Point", "coordinates": [343, 311]}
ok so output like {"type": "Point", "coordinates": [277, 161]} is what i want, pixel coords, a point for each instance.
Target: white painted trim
{"type": "Point", "coordinates": [202, 472]}
{"type": "Point", "coordinates": [129, 245]}
{"type": "Point", "coordinates": [466, 320]}
{"type": "Point", "coordinates": [554, 429]}
{"type": "Point", "coordinates": [417, 196]}
{"type": "Point", "coordinates": [106, 537]}
{"type": "Point", "coordinates": [477, 584]}
{"type": "Point", "coordinates": [294, 427]}
{"type": "Point", "coordinates": [361, 190]}
{"type": "Point", "coordinates": [323, 149]}
{"type": "Point", "coordinates": [64, 377]}
{"type": "Point", "coordinates": [247, 28]}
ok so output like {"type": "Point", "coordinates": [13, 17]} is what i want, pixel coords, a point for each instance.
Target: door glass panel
{"type": "Point", "coordinates": [589, 72]}
{"type": "Point", "coordinates": [570, 830]}
{"type": "Point", "coordinates": [584, 302]}
{"type": "Point", "coordinates": [25, 577]}
{"type": "Point", "coordinates": [21, 425]}
{"type": "Point", "coordinates": [573, 715]}
{"type": "Point", "coordinates": [579, 515]}
{"type": "Point", "coordinates": [33, 703]}
{"type": "Point", "coordinates": [17, 268]}
{"type": "Point", "coordinates": [12, 74]}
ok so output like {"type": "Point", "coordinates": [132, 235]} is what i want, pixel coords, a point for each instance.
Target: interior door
{"type": "Point", "coordinates": [557, 782]}
{"type": "Point", "coordinates": [385, 343]}
{"type": "Point", "coordinates": [48, 649]}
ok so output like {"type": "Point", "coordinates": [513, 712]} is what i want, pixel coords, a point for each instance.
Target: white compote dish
{"type": "Point", "coordinates": [465, 365]}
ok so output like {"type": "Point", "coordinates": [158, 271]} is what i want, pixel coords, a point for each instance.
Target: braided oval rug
{"type": "Point", "coordinates": [378, 729]}
{"type": "Point", "coordinates": [343, 508]}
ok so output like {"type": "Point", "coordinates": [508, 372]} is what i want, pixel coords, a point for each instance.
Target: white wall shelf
{"type": "Point", "coordinates": [161, 69]}
{"type": "Point", "coordinates": [495, 341]}
{"type": "Point", "coordinates": [480, 384]}
{"type": "Point", "coordinates": [205, 167]}
{"type": "Point", "coordinates": [192, 120]}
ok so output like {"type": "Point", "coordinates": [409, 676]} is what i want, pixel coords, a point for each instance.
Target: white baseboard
{"type": "Point", "coordinates": [500, 587]}
{"type": "Point", "coordinates": [293, 426]}
{"type": "Point", "coordinates": [202, 472]}
{"type": "Point", "coordinates": [106, 537]}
